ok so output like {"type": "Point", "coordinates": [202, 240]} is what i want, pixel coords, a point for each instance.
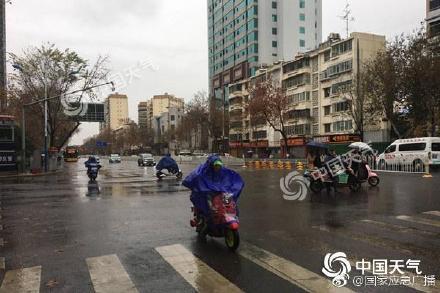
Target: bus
{"type": "Point", "coordinates": [8, 144]}
{"type": "Point", "coordinates": [71, 154]}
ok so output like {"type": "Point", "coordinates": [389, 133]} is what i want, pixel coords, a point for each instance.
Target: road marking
{"type": "Point", "coordinates": [108, 275]}
{"type": "Point", "coordinates": [433, 213]}
{"type": "Point", "coordinates": [419, 220]}
{"type": "Point", "coordinates": [288, 270]}
{"type": "Point", "coordinates": [22, 280]}
{"type": "Point", "coordinates": [394, 227]}
{"type": "Point", "coordinates": [194, 271]}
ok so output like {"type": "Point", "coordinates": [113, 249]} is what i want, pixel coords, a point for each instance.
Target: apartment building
{"type": "Point", "coordinates": [143, 115]}
{"type": "Point", "coordinates": [315, 83]}
{"type": "Point", "coordinates": [115, 111]}
{"type": "Point", "coordinates": [243, 35]}
{"type": "Point", "coordinates": [433, 17]}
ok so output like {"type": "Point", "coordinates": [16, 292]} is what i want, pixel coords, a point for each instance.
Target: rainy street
{"type": "Point", "coordinates": [129, 232]}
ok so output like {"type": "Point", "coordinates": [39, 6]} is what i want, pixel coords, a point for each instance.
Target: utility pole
{"type": "Point", "coordinates": [3, 97]}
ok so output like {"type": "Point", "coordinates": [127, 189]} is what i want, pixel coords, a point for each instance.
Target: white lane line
{"type": "Point", "coordinates": [394, 227]}
{"type": "Point", "coordinates": [419, 220]}
{"type": "Point", "coordinates": [198, 274]}
{"type": "Point", "coordinates": [22, 280]}
{"type": "Point", "coordinates": [433, 213]}
{"type": "Point", "coordinates": [295, 274]}
{"type": "Point", "coordinates": [108, 275]}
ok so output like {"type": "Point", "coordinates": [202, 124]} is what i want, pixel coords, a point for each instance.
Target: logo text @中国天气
{"type": "Point", "coordinates": [294, 186]}
{"type": "Point", "coordinates": [381, 272]}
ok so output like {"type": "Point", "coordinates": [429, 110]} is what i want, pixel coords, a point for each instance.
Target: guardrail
{"type": "Point", "coordinates": [417, 165]}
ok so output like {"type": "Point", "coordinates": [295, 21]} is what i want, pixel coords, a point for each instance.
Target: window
{"type": "Point", "coordinates": [274, 31]}
{"type": "Point", "coordinates": [274, 18]}
{"type": "Point", "coordinates": [302, 17]}
{"type": "Point", "coordinates": [408, 147]}
{"type": "Point", "coordinates": [274, 5]}
{"type": "Point", "coordinates": [327, 92]}
{"type": "Point", "coordinates": [434, 28]}
{"type": "Point", "coordinates": [390, 149]}
{"type": "Point", "coordinates": [299, 98]}
{"type": "Point", "coordinates": [436, 147]}
{"type": "Point", "coordinates": [259, 134]}
{"type": "Point", "coordinates": [302, 3]}
{"type": "Point", "coordinates": [274, 44]}
{"type": "Point", "coordinates": [327, 128]}
{"type": "Point", "coordinates": [341, 48]}
{"type": "Point", "coordinates": [296, 80]}
{"type": "Point", "coordinates": [327, 110]}
{"type": "Point", "coordinates": [434, 5]}
{"type": "Point", "coordinates": [342, 126]}
{"type": "Point", "coordinates": [341, 87]}
{"type": "Point", "coordinates": [172, 117]}
{"type": "Point", "coordinates": [6, 134]}
{"type": "Point", "coordinates": [341, 107]}
{"type": "Point", "coordinates": [302, 30]}
{"type": "Point", "coordinates": [327, 55]}
{"type": "Point", "coordinates": [302, 43]}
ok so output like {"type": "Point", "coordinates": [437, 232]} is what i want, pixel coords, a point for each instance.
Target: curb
{"type": "Point", "coordinates": [29, 175]}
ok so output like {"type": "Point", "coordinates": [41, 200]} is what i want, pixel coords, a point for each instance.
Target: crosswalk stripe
{"type": "Point", "coordinates": [419, 220]}
{"type": "Point", "coordinates": [108, 275]}
{"type": "Point", "coordinates": [288, 270]}
{"type": "Point", "coordinates": [22, 280]}
{"type": "Point", "coordinates": [198, 274]}
{"type": "Point", "coordinates": [433, 213]}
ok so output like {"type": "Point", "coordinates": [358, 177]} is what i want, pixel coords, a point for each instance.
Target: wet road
{"type": "Point", "coordinates": [130, 233]}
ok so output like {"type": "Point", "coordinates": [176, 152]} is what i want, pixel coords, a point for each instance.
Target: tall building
{"type": "Point", "coordinates": [161, 103]}
{"type": "Point", "coordinates": [433, 17]}
{"type": "Point", "coordinates": [143, 115]}
{"type": "Point", "coordinates": [116, 111]}
{"type": "Point", "coordinates": [2, 54]}
{"type": "Point", "coordinates": [316, 84]}
{"type": "Point", "coordinates": [244, 35]}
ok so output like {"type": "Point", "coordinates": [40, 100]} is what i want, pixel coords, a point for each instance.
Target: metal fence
{"type": "Point", "coordinates": [407, 165]}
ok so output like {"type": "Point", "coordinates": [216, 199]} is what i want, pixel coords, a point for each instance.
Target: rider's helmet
{"type": "Point", "coordinates": [217, 165]}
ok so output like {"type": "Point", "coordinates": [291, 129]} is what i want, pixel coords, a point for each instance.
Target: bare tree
{"type": "Point", "coordinates": [269, 102]}
{"type": "Point", "coordinates": [59, 71]}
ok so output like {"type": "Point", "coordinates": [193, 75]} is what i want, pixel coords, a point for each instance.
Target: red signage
{"type": "Point", "coordinates": [298, 141]}
{"type": "Point", "coordinates": [339, 138]}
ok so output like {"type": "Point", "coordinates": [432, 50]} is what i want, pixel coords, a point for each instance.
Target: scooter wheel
{"type": "Point", "coordinates": [232, 239]}
{"type": "Point", "coordinates": [179, 175]}
{"type": "Point", "coordinates": [316, 186]}
{"type": "Point", "coordinates": [374, 181]}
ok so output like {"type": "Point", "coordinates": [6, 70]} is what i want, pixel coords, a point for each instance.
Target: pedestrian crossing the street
{"type": "Point", "coordinates": [108, 273]}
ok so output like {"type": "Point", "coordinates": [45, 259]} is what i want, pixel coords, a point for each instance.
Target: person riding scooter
{"type": "Point", "coordinates": [92, 163]}
{"type": "Point", "coordinates": [213, 185]}
{"type": "Point", "coordinates": [169, 164]}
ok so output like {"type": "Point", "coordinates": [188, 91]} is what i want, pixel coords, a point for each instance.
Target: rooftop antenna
{"type": "Point", "coordinates": [347, 17]}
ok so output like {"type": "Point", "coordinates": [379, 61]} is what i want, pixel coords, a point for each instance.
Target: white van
{"type": "Point", "coordinates": [413, 151]}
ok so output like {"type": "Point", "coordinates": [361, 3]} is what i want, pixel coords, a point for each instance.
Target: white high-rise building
{"type": "Point", "coordinates": [245, 35]}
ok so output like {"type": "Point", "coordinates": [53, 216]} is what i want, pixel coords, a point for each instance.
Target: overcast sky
{"type": "Point", "coordinates": [161, 45]}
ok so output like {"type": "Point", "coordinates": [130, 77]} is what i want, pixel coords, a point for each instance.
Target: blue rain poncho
{"type": "Point", "coordinates": [204, 181]}
{"type": "Point", "coordinates": [167, 163]}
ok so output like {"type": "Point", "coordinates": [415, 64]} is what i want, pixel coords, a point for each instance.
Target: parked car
{"type": "Point", "coordinates": [114, 158]}
{"type": "Point", "coordinates": [146, 160]}
{"type": "Point", "coordinates": [415, 152]}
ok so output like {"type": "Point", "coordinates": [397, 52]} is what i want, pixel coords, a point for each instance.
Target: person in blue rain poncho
{"type": "Point", "coordinates": [167, 163]}
{"type": "Point", "coordinates": [211, 178]}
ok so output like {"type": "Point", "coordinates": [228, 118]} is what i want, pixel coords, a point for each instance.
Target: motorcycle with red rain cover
{"type": "Point", "coordinates": [214, 193]}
